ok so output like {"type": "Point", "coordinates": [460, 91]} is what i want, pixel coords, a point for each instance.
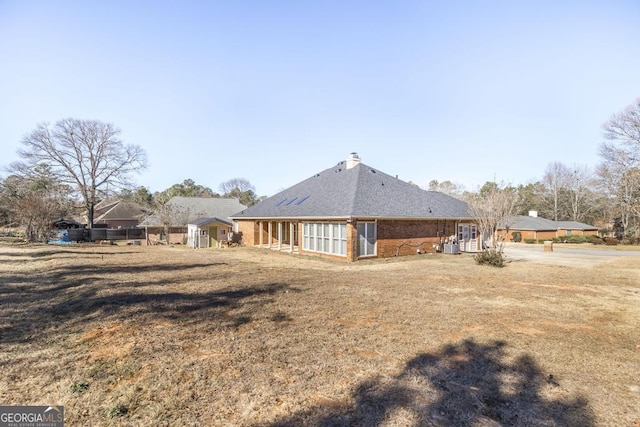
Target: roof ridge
{"type": "Point", "coordinates": [354, 192]}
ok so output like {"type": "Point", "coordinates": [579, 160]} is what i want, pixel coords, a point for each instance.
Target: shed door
{"type": "Point", "coordinates": [468, 237]}
{"type": "Point", "coordinates": [203, 236]}
{"type": "Point", "coordinates": [213, 237]}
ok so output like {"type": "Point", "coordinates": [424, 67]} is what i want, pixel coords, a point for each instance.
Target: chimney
{"type": "Point", "coordinates": [533, 214]}
{"type": "Point", "coordinates": [353, 160]}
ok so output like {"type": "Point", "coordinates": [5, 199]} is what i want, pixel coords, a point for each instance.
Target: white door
{"type": "Point", "coordinates": [468, 237]}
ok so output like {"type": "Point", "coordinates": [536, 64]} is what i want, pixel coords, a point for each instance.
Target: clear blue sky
{"type": "Point", "coordinates": [276, 91]}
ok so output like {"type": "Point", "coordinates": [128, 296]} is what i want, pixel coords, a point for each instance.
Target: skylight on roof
{"type": "Point", "coordinates": [290, 201]}
{"type": "Point", "coordinates": [302, 200]}
{"type": "Point", "coordinates": [281, 202]}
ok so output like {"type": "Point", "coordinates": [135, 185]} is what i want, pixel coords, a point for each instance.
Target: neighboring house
{"type": "Point", "coordinates": [207, 232]}
{"type": "Point", "coordinates": [118, 214]}
{"type": "Point", "coordinates": [535, 227]}
{"type": "Point", "coordinates": [181, 211]}
{"type": "Point", "coordinates": [353, 211]}
{"type": "Point", "coordinates": [575, 228]}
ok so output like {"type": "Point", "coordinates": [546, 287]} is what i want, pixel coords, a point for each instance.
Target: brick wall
{"type": "Point", "coordinates": [563, 233]}
{"type": "Point", "coordinates": [249, 230]}
{"type": "Point", "coordinates": [409, 237]}
{"type": "Point", "coordinates": [394, 237]}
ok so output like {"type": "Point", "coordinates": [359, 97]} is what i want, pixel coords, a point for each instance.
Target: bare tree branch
{"type": "Point", "coordinates": [84, 153]}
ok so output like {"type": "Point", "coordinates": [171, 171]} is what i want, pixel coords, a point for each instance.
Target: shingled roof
{"type": "Point", "coordinates": [357, 192]}
{"type": "Point", "coordinates": [120, 210]}
{"type": "Point", "coordinates": [575, 225]}
{"type": "Point", "coordinates": [535, 223]}
{"type": "Point", "coordinates": [524, 222]}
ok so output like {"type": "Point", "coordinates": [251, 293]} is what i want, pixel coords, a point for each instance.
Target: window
{"type": "Point", "coordinates": [464, 232]}
{"type": "Point", "coordinates": [326, 233]}
{"type": "Point", "coordinates": [366, 238]}
{"type": "Point", "coordinates": [319, 239]}
{"type": "Point", "coordinates": [325, 237]}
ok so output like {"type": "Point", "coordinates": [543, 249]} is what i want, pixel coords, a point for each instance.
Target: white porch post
{"type": "Point", "coordinates": [291, 234]}
{"type": "Point", "coordinates": [270, 234]}
{"type": "Point", "coordinates": [279, 235]}
{"type": "Point", "coordinates": [260, 225]}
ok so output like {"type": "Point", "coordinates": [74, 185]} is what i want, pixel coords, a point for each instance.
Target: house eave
{"type": "Point", "coordinates": [352, 217]}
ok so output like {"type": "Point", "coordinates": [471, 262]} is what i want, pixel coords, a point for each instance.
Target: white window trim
{"type": "Point", "coordinates": [313, 237]}
{"type": "Point", "coordinates": [375, 245]}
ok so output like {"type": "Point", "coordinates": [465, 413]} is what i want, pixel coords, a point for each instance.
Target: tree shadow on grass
{"type": "Point", "coordinates": [62, 252]}
{"type": "Point", "coordinates": [39, 284]}
{"type": "Point", "coordinates": [467, 384]}
{"type": "Point", "coordinates": [34, 304]}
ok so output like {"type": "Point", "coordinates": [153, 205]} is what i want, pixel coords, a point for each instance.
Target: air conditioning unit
{"type": "Point", "coordinates": [451, 248]}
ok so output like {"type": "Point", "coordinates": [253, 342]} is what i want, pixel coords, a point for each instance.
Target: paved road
{"type": "Point", "coordinates": [562, 256]}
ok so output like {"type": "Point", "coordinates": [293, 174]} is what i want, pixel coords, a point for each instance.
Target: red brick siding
{"type": "Point", "coordinates": [249, 230]}
{"type": "Point", "coordinates": [563, 233]}
{"type": "Point", "coordinates": [406, 237]}
{"type": "Point", "coordinates": [394, 237]}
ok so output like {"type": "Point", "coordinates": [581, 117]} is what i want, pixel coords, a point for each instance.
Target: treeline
{"type": "Point", "coordinates": [69, 167]}
{"type": "Point", "coordinates": [606, 196]}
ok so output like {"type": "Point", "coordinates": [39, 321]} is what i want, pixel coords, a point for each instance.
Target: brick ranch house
{"type": "Point", "coordinates": [118, 214]}
{"type": "Point", "coordinates": [535, 227]}
{"type": "Point", "coordinates": [352, 211]}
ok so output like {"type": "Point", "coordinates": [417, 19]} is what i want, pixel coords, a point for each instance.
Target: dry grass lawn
{"type": "Point", "coordinates": [158, 336]}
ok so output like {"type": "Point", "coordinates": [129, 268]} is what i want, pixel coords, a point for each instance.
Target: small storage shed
{"type": "Point", "coordinates": [207, 232]}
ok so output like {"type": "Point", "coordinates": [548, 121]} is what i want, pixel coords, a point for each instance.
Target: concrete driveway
{"type": "Point", "coordinates": [570, 257]}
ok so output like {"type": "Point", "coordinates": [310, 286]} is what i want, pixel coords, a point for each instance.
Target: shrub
{"type": "Point", "coordinates": [490, 257]}
{"type": "Point", "coordinates": [530, 240]}
{"type": "Point", "coordinates": [577, 239]}
{"type": "Point", "coordinates": [631, 241]}
{"type": "Point", "coordinates": [544, 240]}
{"type": "Point", "coordinates": [516, 236]}
{"type": "Point", "coordinates": [611, 241]}
{"type": "Point", "coordinates": [596, 240]}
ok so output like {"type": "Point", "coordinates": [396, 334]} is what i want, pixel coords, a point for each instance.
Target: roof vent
{"type": "Point", "coordinates": [353, 160]}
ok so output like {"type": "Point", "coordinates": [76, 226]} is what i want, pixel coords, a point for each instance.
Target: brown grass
{"type": "Point", "coordinates": [171, 336]}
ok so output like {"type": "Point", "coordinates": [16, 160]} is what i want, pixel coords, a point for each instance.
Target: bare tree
{"type": "Point", "coordinates": [624, 128]}
{"type": "Point", "coordinates": [86, 154]}
{"type": "Point", "coordinates": [493, 207]}
{"type": "Point", "coordinates": [620, 178]}
{"type": "Point", "coordinates": [35, 201]}
{"type": "Point", "coordinates": [578, 185]}
{"type": "Point", "coordinates": [169, 214]}
{"type": "Point", "coordinates": [555, 179]}
{"type": "Point", "coordinates": [446, 187]}
{"type": "Point", "coordinates": [241, 189]}
{"type": "Point", "coordinates": [619, 171]}
{"type": "Point", "coordinates": [239, 184]}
